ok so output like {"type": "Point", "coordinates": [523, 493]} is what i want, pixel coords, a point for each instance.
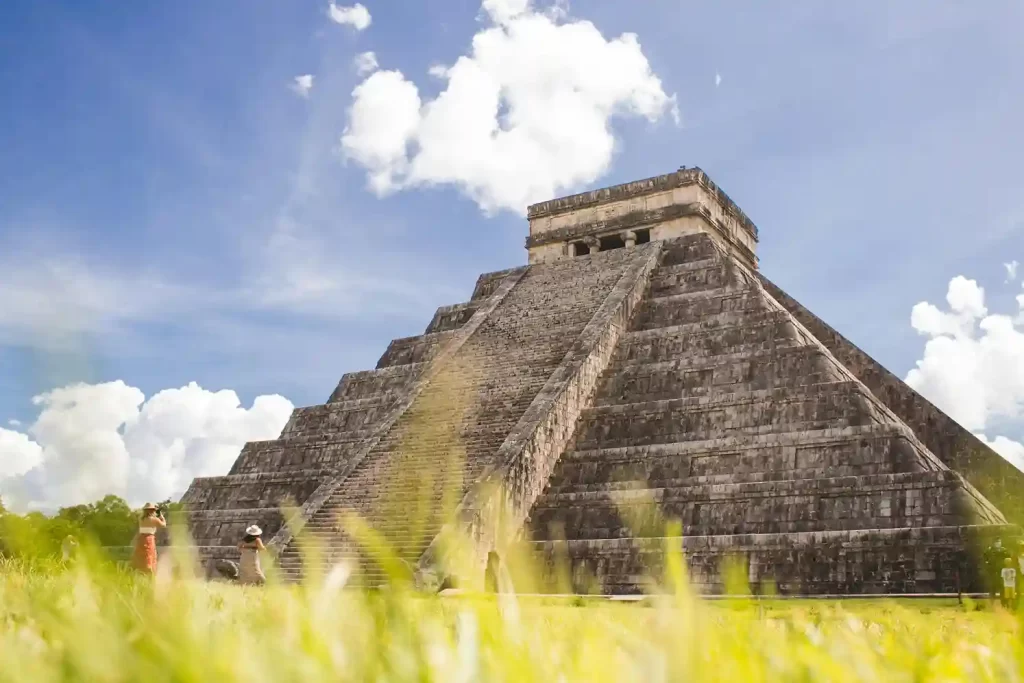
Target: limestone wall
{"type": "Point", "coordinates": [876, 561]}
{"type": "Point", "coordinates": [999, 481]}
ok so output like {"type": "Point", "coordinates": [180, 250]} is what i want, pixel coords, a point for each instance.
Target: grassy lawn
{"type": "Point", "coordinates": [99, 625]}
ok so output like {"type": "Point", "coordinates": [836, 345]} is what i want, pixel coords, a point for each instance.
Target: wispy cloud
{"type": "Point", "coordinates": [356, 16]}
{"type": "Point", "coordinates": [51, 299]}
{"type": "Point", "coordinates": [302, 85]}
{"type": "Point", "coordinates": [1011, 270]}
{"type": "Point", "coordinates": [365, 63]}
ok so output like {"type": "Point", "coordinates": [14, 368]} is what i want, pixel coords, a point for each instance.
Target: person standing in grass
{"type": "Point", "coordinates": [1009, 575]}
{"type": "Point", "coordinates": [68, 547]}
{"type": "Point", "coordinates": [144, 558]}
{"type": "Point", "coordinates": [995, 557]}
{"type": "Point", "coordinates": [249, 570]}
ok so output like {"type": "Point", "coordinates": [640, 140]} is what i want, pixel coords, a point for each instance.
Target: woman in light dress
{"type": "Point", "coordinates": [249, 570]}
{"type": "Point", "coordinates": [151, 521]}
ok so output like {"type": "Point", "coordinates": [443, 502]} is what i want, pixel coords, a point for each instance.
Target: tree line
{"type": "Point", "coordinates": [108, 522]}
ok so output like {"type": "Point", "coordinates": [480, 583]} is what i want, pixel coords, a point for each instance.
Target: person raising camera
{"type": "Point", "coordinates": [152, 520]}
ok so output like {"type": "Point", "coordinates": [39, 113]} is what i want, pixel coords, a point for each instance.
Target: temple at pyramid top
{"type": "Point", "coordinates": [659, 208]}
{"type": "Point", "coordinates": [640, 369]}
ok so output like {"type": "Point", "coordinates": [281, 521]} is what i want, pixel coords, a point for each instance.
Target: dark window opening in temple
{"type": "Point", "coordinates": [580, 249]}
{"type": "Point", "coordinates": [643, 236]}
{"type": "Point", "coordinates": [611, 242]}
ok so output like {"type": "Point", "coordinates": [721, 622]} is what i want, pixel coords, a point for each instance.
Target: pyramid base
{"type": "Point", "coordinates": [933, 560]}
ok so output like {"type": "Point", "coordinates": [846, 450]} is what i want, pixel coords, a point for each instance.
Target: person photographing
{"type": "Point", "coordinates": [151, 521]}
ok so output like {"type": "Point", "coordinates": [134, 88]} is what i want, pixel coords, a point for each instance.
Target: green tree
{"type": "Point", "coordinates": [107, 522]}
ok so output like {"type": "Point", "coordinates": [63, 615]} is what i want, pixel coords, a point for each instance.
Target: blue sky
{"type": "Point", "coordinates": [172, 211]}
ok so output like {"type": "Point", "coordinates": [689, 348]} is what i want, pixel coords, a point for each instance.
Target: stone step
{"type": "Point", "coordinates": [689, 248]}
{"type": "Point", "coordinates": [697, 276]}
{"type": "Point", "coordinates": [709, 323]}
{"type": "Point", "coordinates": [487, 283]}
{"type": "Point", "coordinates": [861, 561]}
{"type": "Point", "coordinates": [340, 416]}
{"type": "Point", "coordinates": [811, 407]}
{"type": "Point", "coordinates": [694, 307]}
{"type": "Point", "coordinates": [257, 490]}
{"type": "Point", "coordinates": [782, 366]}
{"type": "Point", "coordinates": [619, 365]}
{"type": "Point", "coordinates": [392, 381]}
{"type": "Point", "coordinates": [394, 527]}
{"type": "Point", "coordinates": [362, 499]}
{"type": "Point", "coordinates": [756, 332]}
{"type": "Point", "coordinates": [417, 349]}
{"type": "Point", "coordinates": [452, 317]}
{"type": "Point", "coordinates": [343, 553]}
{"type": "Point", "coordinates": [869, 449]}
{"type": "Point", "coordinates": [227, 527]}
{"type": "Point", "coordinates": [912, 499]}
{"type": "Point", "coordinates": [299, 452]}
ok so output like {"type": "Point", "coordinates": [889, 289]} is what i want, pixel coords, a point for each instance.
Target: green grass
{"type": "Point", "coordinates": [98, 624]}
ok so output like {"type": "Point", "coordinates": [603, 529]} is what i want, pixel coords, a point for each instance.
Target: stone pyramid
{"type": "Point", "coordinates": [639, 369]}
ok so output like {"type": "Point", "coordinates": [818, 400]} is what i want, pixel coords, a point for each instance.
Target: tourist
{"type": "Point", "coordinates": [995, 559]}
{"type": "Point", "coordinates": [492, 573]}
{"type": "Point", "coordinates": [152, 520]}
{"type": "Point", "coordinates": [1009, 575]}
{"type": "Point", "coordinates": [249, 569]}
{"type": "Point", "coordinates": [67, 549]}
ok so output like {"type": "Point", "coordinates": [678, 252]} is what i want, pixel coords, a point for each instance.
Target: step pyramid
{"type": "Point", "coordinates": [640, 369]}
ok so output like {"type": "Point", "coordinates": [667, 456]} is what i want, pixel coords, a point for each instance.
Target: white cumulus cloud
{"type": "Point", "coordinates": [1011, 270]}
{"type": "Point", "coordinates": [356, 16]}
{"type": "Point", "coordinates": [93, 439]}
{"type": "Point", "coordinates": [302, 84]}
{"type": "Point", "coordinates": [18, 454]}
{"type": "Point", "coordinates": [366, 63]}
{"type": "Point", "coordinates": [973, 363]}
{"type": "Point", "coordinates": [524, 115]}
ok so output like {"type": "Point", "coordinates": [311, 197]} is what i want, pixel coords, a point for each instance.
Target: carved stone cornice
{"type": "Point", "coordinates": [641, 219]}
{"type": "Point", "coordinates": [681, 178]}
{"type": "Point", "coordinates": [627, 221]}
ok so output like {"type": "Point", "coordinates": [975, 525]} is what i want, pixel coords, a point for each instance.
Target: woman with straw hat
{"type": "Point", "coordinates": [249, 569]}
{"type": "Point", "coordinates": [152, 520]}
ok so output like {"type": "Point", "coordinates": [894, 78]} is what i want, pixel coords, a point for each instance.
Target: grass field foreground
{"type": "Point", "coordinates": [96, 624]}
